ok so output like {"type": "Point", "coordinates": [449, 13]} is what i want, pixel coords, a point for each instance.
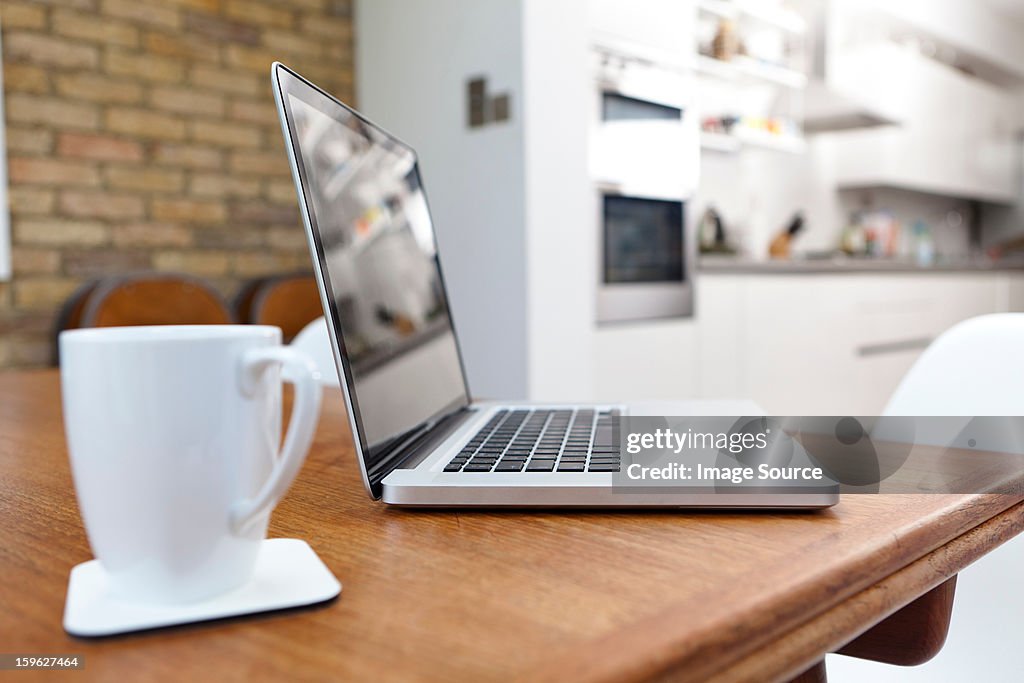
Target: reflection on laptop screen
{"type": "Point", "coordinates": [381, 268]}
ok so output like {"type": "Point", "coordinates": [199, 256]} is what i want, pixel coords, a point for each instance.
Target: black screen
{"type": "Point", "coordinates": [643, 240]}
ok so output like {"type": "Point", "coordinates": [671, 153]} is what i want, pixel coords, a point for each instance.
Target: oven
{"type": "Point", "coordinates": [646, 258]}
{"type": "Point", "coordinates": [644, 160]}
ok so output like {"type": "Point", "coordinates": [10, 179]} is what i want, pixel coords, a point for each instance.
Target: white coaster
{"type": "Point", "coordinates": [288, 574]}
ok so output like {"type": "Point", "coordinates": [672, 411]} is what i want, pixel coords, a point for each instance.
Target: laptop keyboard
{"type": "Point", "coordinates": [548, 440]}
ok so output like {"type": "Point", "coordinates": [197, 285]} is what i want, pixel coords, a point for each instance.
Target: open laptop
{"type": "Point", "coordinates": [420, 438]}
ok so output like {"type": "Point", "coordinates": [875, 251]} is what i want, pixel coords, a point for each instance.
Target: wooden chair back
{"type": "Point", "coordinates": [289, 301]}
{"type": "Point", "coordinates": [155, 299]}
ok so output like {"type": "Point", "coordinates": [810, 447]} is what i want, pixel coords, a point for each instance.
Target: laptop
{"type": "Point", "coordinates": [420, 438]}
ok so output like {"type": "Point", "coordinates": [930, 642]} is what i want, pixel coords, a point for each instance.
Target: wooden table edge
{"type": "Point", "coordinates": [803, 646]}
{"type": "Point", "coordinates": [642, 653]}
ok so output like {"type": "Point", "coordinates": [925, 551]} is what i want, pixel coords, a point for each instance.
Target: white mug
{"type": "Point", "coordinates": [173, 433]}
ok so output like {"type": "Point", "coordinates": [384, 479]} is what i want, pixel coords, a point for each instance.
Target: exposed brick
{"type": "Point", "coordinates": [34, 261]}
{"type": "Point", "coordinates": [333, 28]}
{"type": "Point", "coordinates": [40, 49]}
{"type": "Point", "coordinates": [310, 5]}
{"type": "Point", "coordinates": [27, 350]}
{"type": "Point", "coordinates": [52, 172]}
{"type": "Point", "coordinates": [203, 5]}
{"type": "Point", "coordinates": [49, 292]}
{"type": "Point", "coordinates": [340, 8]}
{"type": "Point", "coordinates": [222, 185]}
{"type": "Point", "coordinates": [252, 58]}
{"type": "Point", "coordinates": [188, 101]}
{"type": "Point", "coordinates": [188, 156]}
{"type": "Point", "coordinates": [151, 235]}
{"type": "Point", "coordinates": [281, 192]}
{"type": "Point", "coordinates": [145, 123]}
{"type": "Point", "coordinates": [144, 11]}
{"type": "Point", "coordinates": [29, 140]}
{"type": "Point", "coordinates": [101, 147]}
{"type": "Point", "coordinates": [182, 46]}
{"type": "Point", "coordinates": [101, 205]}
{"type": "Point", "coordinates": [293, 238]}
{"type": "Point", "coordinates": [59, 232]}
{"type": "Point", "coordinates": [221, 80]}
{"type": "Point", "coordinates": [259, 163]}
{"type": "Point", "coordinates": [142, 134]}
{"type": "Point", "coordinates": [221, 30]}
{"type": "Point", "coordinates": [230, 237]}
{"type": "Point", "coordinates": [264, 14]}
{"type": "Point", "coordinates": [88, 86]}
{"type": "Point", "coordinates": [25, 200]}
{"type": "Point", "coordinates": [266, 214]}
{"type": "Point", "coordinates": [145, 179]}
{"type": "Point", "coordinates": [37, 109]}
{"type": "Point", "coordinates": [94, 28]}
{"type": "Point", "coordinates": [26, 78]}
{"type": "Point", "coordinates": [26, 323]}
{"type": "Point", "coordinates": [22, 15]}
{"type": "Point", "coordinates": [145, 67]}
{"type": "Point", "coordinates": [226, 134]}
{"type": "Point", "coordinates": [188, 210]}
{"type": "Point", "coordinates": [292, 43]}
{"type": "Point", "coordinates": [89, 263]}
{"type": "Point", "coordinates": [76, 4]}
{"type": "Point", "coordinates": [255, 111]}
{"type": "Point", "coordinates": [195, 262]}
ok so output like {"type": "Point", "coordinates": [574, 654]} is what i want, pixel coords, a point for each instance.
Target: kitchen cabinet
{"type": "Point", "coordinates": [957, 117]}
{"type": "Point", "coordinates": [832, 344]}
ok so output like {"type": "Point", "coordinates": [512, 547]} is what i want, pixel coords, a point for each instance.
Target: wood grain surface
{"type": "Point", "coordinates": [480, 596]}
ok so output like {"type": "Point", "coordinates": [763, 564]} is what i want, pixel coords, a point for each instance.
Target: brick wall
{"type": "Point", "coordinates": [142, 134]}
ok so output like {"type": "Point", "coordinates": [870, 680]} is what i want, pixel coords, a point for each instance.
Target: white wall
{"type": "Point", "coordinates": [412, 62]}
{"type": "Point", "coordinates": [561, 232]}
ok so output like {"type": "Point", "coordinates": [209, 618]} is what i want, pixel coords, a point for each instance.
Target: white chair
{"type": "Point", "coordinates": [976, 368]}
{"type": "Point", "coordinates": [314, 341]}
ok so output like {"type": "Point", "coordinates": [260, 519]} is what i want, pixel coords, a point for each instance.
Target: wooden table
{"type": "Point", "coordinates": [477, 596]}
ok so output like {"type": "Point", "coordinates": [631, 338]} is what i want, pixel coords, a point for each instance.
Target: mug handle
{"type": "Point", "coordinates": [298, 370]}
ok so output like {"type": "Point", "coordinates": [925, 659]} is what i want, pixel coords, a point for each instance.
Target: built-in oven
{"type": "Point", "coordinates": [645, 258]}
{"type": "Point", "coordinates": [644, 160]}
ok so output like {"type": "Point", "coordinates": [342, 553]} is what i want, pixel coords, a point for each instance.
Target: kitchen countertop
{"type": "Point", "coordinates": [838, 265]}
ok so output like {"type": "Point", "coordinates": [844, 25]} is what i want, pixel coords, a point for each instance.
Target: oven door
{"type": "Point", "coordinates": [646, 257]}
{"type": "Point", "coordinates": [644, 132]}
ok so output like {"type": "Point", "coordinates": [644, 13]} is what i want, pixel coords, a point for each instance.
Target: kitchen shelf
{"type": "Point", "coordinates": [755, 10]}
{"type": "Point", "coordinates": [731, 143]}
{"type": "Point", "coordinates": [778, 17]}
{"type": "Point", "coordinates": [746, 68]}
{"type": "Point", "coordinates": [719, 142]}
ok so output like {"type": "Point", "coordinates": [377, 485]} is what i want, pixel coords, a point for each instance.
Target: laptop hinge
{"type": "Point", "coordinates": [417, 446]}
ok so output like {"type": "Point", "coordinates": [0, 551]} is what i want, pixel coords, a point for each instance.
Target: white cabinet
{"type": "Point", "coordinates": [956, 133]}
{"type": "Point", "coordinates": [832, 344]}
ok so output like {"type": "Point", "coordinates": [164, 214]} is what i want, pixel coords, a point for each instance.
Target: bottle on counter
{"type": "Point", "coordinates": [852, 242]}
{"type": "Point", "coordinates": [781, 246]}
{"type": "Point", "coordinates": [924, 244]}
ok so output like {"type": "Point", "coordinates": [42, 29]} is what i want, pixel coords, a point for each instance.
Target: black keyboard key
{"type": "Point", "coordinates": [540, 466]}
{"type": "Point", "coordinates": [509, 467]}
{"type": "Point", "coordinates": [477, 467]}
{"type": "Point", "coordinates": [571, 467]}
{"type": "Point", "coordinates": [453, 467]}
{"type": "Point", "coordinates": [603, 468]}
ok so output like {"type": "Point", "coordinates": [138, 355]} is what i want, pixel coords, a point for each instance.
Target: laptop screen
{"type": "Point", "coordinates": [374, 241]}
